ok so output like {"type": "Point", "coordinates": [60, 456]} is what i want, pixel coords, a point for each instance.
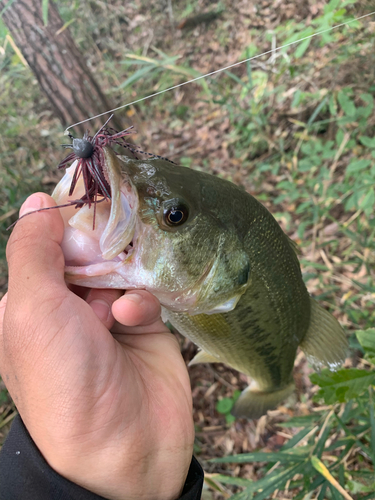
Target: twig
{"type": "Point", "coordinates": [338, 154]}
{"type": "Point", "coordinates": [170, 13]}
{"type": "Point", "coordinates": [8, 419]}
{"type": "Point", "coordinates": [8, 214]}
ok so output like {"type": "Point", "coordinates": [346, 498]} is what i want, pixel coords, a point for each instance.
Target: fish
{"type": "Point", "coordinates": [227, 276]}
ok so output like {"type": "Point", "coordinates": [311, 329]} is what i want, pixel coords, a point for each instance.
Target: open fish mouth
{"type": "Point", "coordinates": [99, 237]}
{"type": "Point", "coordinates": [123, 238]}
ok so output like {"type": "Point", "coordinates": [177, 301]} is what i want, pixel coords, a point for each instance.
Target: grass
{"type": "Point", "coordinates": [296, 128]}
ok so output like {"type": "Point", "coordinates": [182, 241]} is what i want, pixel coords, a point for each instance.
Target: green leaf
{"type": "Point", "coordinates": [236, 481]}
{"type": "Point", "coordinates": [317, 110]}
{"type": "Point", "coordinates": [297, 36]}
{"type": "Point", "coordinates": [332, 106]}
{"type": "Point", "coordinates": [322, 469]}
{"type": "Point", "coordinates": [6, 6]}
{"type": "Point", "coordinates": [212, 484]}
{"type": "Point", "coordinates": [372, 422]}
{"type": "Point", "coordinates": [272, 482]}
{"type": "Point", "coordinates": [137, 75]}
{"type": "Point", "coordinates": [302, 47]}
{"type": "Point", "coordinates": [45, 11]}
{"type": "Point", "coordinates": [356, 487]}
{"type": "Point", "coordinates": [331, 6]}
{"type": "Point", "coordinates": [326, 430]}
{"type": "Point", "coordinates": [268, 484]}
{"type": "Point", "coordinates": [236, 395]}
{"type": "Point", "coordinates": [306, 420]}
{"type": "Point", "coordinates": [3, 396]}
{"type": "Point", "coordinates": [367, 339]}
{"type": "Point", "coordinates": [335, 494]}
{"type": "Point", "coordinates": [342, 385]}
{"type": "Point", "coordinates": [368, 202]}
{"type": "Point", "coordinates": [367, 141]}
{"type": "Point", "coordinates": [346, 104]}
{"type": "Point", "coordinates": [230, 418]}
{"type": "Point", "coordinates": [339, 137]}
{"type": "Point", "coordinates": [357, 165]}
{"type": "Point", "coordinates": [262, 456]}
{"type": "Point", "coordinates": [243, 495]}
{"type": "Point", "coordinates": [224, 405]}
{"type": "Point", "coordinates": [323, 492]}
{"type": "Point", "coordinates": [369, 100]}
{"type": "Point", "coordinates": [235, 78]}
{"type": "Point", "coordinates": [297, 438]}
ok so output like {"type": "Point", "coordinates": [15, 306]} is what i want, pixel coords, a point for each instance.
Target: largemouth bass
{"type": "Point", "coordinates": [227, 276]}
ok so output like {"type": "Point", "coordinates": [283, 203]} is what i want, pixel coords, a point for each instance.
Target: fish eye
{"type": "Point", "coordinates": [175, 216]}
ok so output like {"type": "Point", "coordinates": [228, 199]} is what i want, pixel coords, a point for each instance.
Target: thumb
{"type": "Point", "coordinates": [34, 254]}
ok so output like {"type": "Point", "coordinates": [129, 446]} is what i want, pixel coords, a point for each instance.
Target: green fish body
{"type": "Point", "coordinates": [227, 276]}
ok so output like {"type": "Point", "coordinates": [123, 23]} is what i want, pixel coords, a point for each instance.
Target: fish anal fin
{"type": "Point", "coordinates": [253, 403]}
{"type": "Point", "coordinates": [325, 343]}
{"type": "Point", "coordinates": [203, 357]}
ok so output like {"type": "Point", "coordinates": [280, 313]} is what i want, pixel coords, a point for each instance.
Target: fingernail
{"type": "Point", "coordinates": [33, 202]}
{"type": "Point", "coordinates": [101, 309]}
{"type": "Point", "coordinates": [134, 297]}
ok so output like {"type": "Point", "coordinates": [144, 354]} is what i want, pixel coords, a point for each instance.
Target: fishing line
{"type": "Point", "coordinates": [273, 50]}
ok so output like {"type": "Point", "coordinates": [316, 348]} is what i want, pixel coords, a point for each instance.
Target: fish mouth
{"type": "Point", "coordinates": [100, 238]}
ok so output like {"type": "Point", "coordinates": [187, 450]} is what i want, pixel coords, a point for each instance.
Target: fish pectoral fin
{"type": "Point", "coordinates": [253, 402]}
{"type": "Point", "coordinates": [203, 357]}
{"type": "Point", "coordinates": [325, 343]}
{"type": "Point", "coordinates": [227, 306]}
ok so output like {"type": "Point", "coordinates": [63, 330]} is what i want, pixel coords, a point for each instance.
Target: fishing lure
{"type": "Point", "coordinates": [89, 154]}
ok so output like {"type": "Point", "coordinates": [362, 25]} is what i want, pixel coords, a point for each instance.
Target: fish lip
{"type": "Point", "coordinates": [120, 229]}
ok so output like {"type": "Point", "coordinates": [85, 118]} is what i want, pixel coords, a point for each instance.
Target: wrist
{"type": "Point", "coordinates": [150, 481]}
{"type": "Point", "coordinates": [30, 468]}
{"type": "Point", "coordinates": [124, 470]}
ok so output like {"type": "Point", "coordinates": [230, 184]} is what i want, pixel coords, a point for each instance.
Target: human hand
{"type": "Point", "coordinates": [111, 412]}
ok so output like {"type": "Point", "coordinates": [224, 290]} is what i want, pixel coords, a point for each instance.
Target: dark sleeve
{"type": "Point", "coordinates": [25, 475]}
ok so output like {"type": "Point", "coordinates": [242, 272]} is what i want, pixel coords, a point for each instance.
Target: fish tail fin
{"type": "Point", "coordinates": [325, 343]}
{"type": "Point", "coordinates": [253, 402]}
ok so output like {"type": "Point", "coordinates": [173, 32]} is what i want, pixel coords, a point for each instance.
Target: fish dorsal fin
{"type": "Point", "coordinates": [203, 357]}
{"type": "Point", "coordinates": [325, 343]}
{"type": "Point", "coordinates": [294, 246]}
